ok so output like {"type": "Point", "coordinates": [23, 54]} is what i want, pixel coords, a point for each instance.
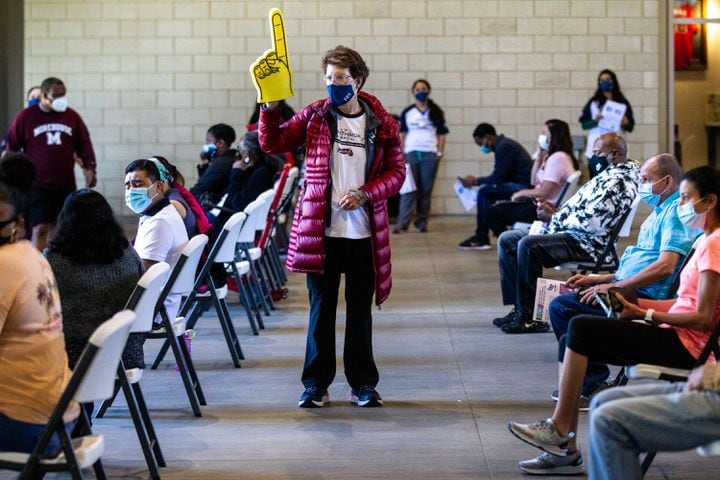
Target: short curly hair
{"type": "Point", "coordinates": [345, 57]}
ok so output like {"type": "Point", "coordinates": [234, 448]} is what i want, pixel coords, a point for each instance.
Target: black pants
{"type": "Point", "coordinates": [622, 342]}
{"type": "Point", "coordinates": [354, 259]}
{"type": "Point", "coordinates": [505, 214]}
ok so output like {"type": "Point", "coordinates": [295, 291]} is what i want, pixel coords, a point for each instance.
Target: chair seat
{"type": "Point", "coordinates": [88, 450]}
{"type": "Point", "coordinates": [656, 372]}
{"type": "Point", "coordinates": [709, 450]}
{"type": "Point", "coordinates": [243, 267]}
{"type": "Point", "coordinates": [220, 292]}
{"type": "Point", "coordinates": [576, 266]}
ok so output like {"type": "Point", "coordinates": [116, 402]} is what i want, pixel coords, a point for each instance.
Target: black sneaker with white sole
{"type": "Point", "coordinates": [366, 397]}
{"type": "Point", "coordinates": [314, 397]}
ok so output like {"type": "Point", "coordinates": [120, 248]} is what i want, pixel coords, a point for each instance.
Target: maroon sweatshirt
{"type": "Point", "coordinates": [50, 139]}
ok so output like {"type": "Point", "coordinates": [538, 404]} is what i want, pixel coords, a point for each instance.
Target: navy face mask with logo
{"type": "Point", "coordinates": [340, 94]}
{"type": "Point", "coordinates": [598, 163]}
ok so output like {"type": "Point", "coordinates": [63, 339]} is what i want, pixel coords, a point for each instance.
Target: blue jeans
{"type": "Point", "coordinates": [647, 418]}
{"type": "Point", "coordinates": [521, 258]}
{"type": "Point", "coordinates": [424, 167]}
{"type": "Point", "coordinates": [354, 259]}
{"type": "Point", "coordinates": [20, 436]}
{"type": "Point", "coordinates": [486, 197]}
{"type": "Point", "coordinates": [562, 309]}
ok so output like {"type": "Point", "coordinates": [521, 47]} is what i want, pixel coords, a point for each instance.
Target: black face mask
{"type": "Point", "coordinates": [597, 164]}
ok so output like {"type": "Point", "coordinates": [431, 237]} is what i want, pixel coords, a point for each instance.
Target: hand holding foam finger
{"type": "Point", "coordinates": [271, 72]}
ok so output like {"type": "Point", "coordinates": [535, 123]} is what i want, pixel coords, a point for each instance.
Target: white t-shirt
{"type": "Point", "coordinates": [347, 171]}
{"type": "Point", "coordinates": [421, 135]}
{"type": "Point", "coordinates": [161, 238]}
{"type": "Point", "coordinates": [595, 132]}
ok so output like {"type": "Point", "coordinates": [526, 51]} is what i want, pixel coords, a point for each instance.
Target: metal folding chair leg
{"type": "Point", "coordinates": [152, 436]}
{"type": "Point", "coordinates": [245, 300]}
{"type": "Point", "coordinates": [140, 427]}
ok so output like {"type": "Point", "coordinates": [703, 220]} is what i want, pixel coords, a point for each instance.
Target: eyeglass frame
{"type": "Point", "coordinates": [345, 79]}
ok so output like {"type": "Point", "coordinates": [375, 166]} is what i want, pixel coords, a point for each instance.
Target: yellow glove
{"type": "Point", "coordinates": [271, 72]}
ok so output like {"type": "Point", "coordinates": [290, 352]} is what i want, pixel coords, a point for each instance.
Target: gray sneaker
{"type": "Point", "coordinates": [548, 464]}
{"type": "Point", "coordinates": [542, 435]}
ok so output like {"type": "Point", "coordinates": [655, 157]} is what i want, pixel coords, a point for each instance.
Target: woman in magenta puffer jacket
{"type": "Point", "coordinates": [352, 165]}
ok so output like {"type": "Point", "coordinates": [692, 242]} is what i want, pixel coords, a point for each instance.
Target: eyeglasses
{"type": "Point", "coordinates": [338, 79]}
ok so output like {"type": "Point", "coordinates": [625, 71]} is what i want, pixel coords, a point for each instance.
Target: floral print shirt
{"type": "Point", "coordinates": [591, 214]}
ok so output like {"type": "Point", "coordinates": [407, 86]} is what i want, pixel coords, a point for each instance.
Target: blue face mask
{"type": "Point", "coordinates": [33, 101]}
{"type": "Point", "coordinates": [606, 85]}
{"type": "Point", "coordinates": [137, 199]}
{"type": "Point", "coordinates": [340, 94]}
{"type": "Point", "coordinates": [485, 149]}
{"type": "Point", "coordinates": [646, 194]}
{"type": "Point", "coordinates": [421, 96]}
{"type": "Point", "coordinates": [209, 150]}
{"type": "Point", "coordinates": [598, 163]}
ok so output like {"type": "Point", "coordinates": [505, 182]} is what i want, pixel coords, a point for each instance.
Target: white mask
{"type": "Point", "coordinates": [59, 104]}
{"type": "Point", "coordinates": [543, 141]}
{"type": "Point", "coordinates": [689, 217]}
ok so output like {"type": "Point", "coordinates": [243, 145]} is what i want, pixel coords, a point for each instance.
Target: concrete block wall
{"type": "Point", "coordinates": [149, 77]}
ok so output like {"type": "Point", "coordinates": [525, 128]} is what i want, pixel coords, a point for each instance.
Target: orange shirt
{"type": "Point", "coordinates": [33, 363]}
{"type": "Point", "coordinates": [706, 257]}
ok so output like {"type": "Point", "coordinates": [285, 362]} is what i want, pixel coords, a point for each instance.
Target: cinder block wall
{"type": "Point", "coordinates": [149, 77]}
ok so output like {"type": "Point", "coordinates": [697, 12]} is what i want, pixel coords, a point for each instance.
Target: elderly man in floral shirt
{"type": "Point", "coordinates": [578, 231]}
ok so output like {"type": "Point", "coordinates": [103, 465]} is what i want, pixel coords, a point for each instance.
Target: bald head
{"type": "Point", "coordinates": [664, 173]}
{"type": "Point", "coordinates": [611, 145]}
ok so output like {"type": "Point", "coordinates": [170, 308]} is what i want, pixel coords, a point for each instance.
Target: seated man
{"type": "Point", "coordinates": [652, 418]}
{"type": "Point", "coordinates": [579, 230]}
{"type": "Point", "coordinates": [510, 174]}
{"type": "Point", "coordinates": [215, 164]}
{"type": "Point", "coordinates": [648, 267]}
{"type": "Point", "coordinates": [161, 233]}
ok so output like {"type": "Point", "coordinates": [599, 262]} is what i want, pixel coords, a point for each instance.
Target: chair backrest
{"type": "Point", "coordinates": [94, 376]}
{"type": "Point", "coordinates": [224, 247]}
{"type": "Point", "coordinates": [629, 217]}
{"type": "Point", "coordinates": [571, 186]}
{"type": "Point", "coordinates": [182, 278]}
{"type": "Point", "coordinates": [578, 142]}
{"type": "Point", "coordinates": [676, 280]}
{"type": "Point", "coordinates": [145, 295]}
{"type": "Point", "coordinates": [257, 212]}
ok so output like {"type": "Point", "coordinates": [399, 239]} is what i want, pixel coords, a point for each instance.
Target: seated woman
{"type": "Point", "coordinates": [96, 270]}
{"type": "Point", "coordinates": [554, 163]}
{"type": "Point", "coordinates": [34, 367]}
{"type": "Point", "coordinates": [252, 173]}
{"type": "Point", "coordinates": [185, 203]}
{"type": "Point", "coordinates": [687, 322]}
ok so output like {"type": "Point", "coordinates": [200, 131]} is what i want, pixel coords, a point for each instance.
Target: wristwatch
{"type": "Point", "coordinates": [648, 314]}
{"type": "Point", "coordinates": [360, 196]}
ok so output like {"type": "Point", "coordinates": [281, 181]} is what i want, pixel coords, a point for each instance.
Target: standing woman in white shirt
{"type": "Point", "coordinates": [608, 88]}
{"type": "Point", "coordinates": [423, 132]}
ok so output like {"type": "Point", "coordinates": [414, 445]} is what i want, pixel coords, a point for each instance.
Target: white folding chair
{"type": "Point", "coordinates": [222, 252]}
{"type": "Point", "coordinates": [142, 301]}
{"type": "Point", "coordinates": [92, 380]}
{"type": "Point", "coordinates": [181, 282]}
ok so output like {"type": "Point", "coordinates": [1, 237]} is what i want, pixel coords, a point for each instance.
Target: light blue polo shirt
{"type": "Point", "coordinates": [661, 231]}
